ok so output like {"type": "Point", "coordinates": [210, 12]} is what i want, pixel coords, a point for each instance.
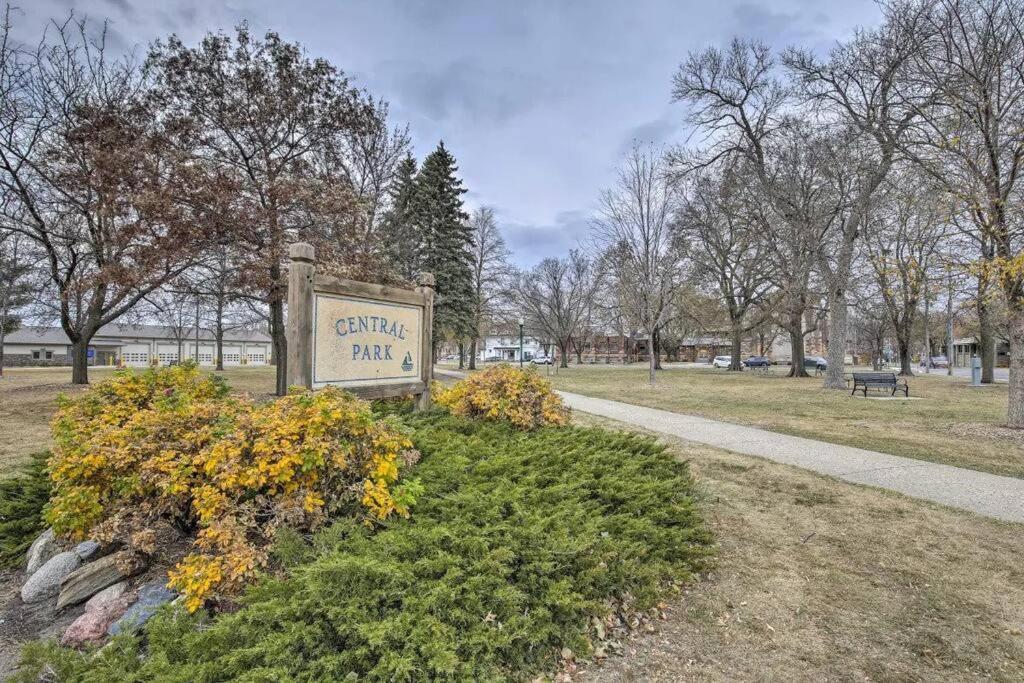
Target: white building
{"type": "Point", "coordinates": [506, 348]}
{"type": "Point", "coordinates": [134, 346]}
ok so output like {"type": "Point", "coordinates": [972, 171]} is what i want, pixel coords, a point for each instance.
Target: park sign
{"type": "Point", "coordinates": [370, 339]}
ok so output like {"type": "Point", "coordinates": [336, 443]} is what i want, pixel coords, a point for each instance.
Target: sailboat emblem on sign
{"type": "Point", "coordinates": [407, 362]}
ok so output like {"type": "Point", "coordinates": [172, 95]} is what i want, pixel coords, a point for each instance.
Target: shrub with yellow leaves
{"type": "Point", "coordinates": [507, 394]}
{"type": "Point", "coordinates": [170, 448]}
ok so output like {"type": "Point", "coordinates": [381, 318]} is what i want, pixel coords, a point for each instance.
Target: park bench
{"type": "Point", "coordinates": [878, 380]}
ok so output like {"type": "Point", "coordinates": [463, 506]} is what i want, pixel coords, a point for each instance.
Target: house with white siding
{"type": "Point", "coordinates": [135, 346]}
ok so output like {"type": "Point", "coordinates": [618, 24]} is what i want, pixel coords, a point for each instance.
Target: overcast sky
{"type": "Point", "coordinates": [537, 100]}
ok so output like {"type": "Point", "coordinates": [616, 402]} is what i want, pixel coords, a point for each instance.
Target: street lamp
{"type": "Point", "coordinates": [521, 321]}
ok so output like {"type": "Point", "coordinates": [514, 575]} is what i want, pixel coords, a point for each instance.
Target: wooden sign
{"type": "Point", "coordinates": [372, 340]}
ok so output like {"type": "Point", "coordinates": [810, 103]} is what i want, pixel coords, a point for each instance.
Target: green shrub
{"type": "Point", "coordinates": [22, 499]}
{"type": "Point", "coordinates": [518, 540]}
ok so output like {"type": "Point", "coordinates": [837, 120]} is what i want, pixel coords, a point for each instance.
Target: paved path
{"type": "Point", "coordinates": [985, 494]}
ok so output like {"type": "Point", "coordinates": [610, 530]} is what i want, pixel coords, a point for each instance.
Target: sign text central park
{"type": "Point", "coordinates": [370, 339]}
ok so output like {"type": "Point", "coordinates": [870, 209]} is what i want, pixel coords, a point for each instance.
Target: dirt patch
{"type": "Point", "coordinates": [821, 580]}
{"type": "Point", "coordinates": [974, 430]}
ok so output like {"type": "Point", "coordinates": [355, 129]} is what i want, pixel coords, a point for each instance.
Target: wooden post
{"type": "Point", "coordinates": [425, 286]}
{"type": "Point", "coordinates": [299, 328]}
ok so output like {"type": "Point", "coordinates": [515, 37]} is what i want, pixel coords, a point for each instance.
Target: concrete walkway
{"type": "Point", "coordinates": [985, 494]}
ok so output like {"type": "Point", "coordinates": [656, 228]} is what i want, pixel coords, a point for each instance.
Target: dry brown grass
{"type": "Point", "coordinates": [949, 422]}
{"type": "Point", "coordinates": [821, 580]}
{"type": "Point", "coordinates": [28, 397]}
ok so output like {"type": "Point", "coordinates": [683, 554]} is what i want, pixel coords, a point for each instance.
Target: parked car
{"type": "Point", "coordinates": [722, 361]}
{"type": "Point", "coordinates": [758, 362]}
{"type": "Point", "coordinates": [815, 363]}
{"type": "Point", "coordinates": [937, 362]}
{"type": "Point", "coordinates": [542, 360]}
{"type": "Point", "coordinates": [493, 359]}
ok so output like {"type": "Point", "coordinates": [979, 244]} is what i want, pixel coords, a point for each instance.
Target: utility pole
{"type": "Point", "coordinates": [927, 340]}
{"type": "Point", "coordinates": [521, 322]}
{"type": "Point", "coordinates": [949, 317]}
{"type": "Point", "coordinates": [197, 328]}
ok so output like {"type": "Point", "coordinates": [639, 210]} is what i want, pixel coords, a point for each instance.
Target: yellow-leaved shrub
{"type": "Point", "coordinates": [169, 448]}
{"type": "Point", "coordinates": [508, 394]}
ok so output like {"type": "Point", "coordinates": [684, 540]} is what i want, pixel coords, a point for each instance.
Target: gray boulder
{"type": "Point", "coordinates": [106, 595]}
{"type": "Point", "coordinates": [85, 582]}
{"type": "Point", "coordinates": [42, 549]}
{"type": "Point", "coordinates": [151, 597]}
{"type": "Point", "coordinates": [45, 581]}
{"type": "Point", "coordinates": [87, 549]}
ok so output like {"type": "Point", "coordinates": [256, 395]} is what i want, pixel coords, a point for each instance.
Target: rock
{"type": "Point", "coordinates": [42, 549]}
{"type": "Point", "coordinates": [106, 595]}
{"type": "Point", "coordinates": [95, 576]}
{"type": "Point", "coordinates": [151, 597]}
{"type": "Point", "coordinates": [45, 582]}
{"type": "Point", "coordinates": [87, 549]}
{"type": "Point", "coordinates": [91, 627]}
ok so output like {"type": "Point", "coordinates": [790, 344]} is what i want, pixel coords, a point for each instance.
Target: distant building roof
{"type": "Point", "coordinates": [39, 334]}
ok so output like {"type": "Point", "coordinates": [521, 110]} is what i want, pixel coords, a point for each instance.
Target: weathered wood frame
{"type": "Point", "coordinates": [303, 286]}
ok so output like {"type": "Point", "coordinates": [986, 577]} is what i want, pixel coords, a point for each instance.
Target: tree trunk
{"type": "Point", "coordinates": [1015, 400]}
{"type": "Point", "coordinates": [280, 345]}
{"type": "Point", "coordinates": [563, 349]}
{"type": "Point", "coordinates": [736, 338]}
{"type": "Point", "coordinates": [462, 355]}
{"type": "Point", "coordinates": [796, 353]}
{"type": "Point", "coordinates": [218, 334]}
{"type": "Point", "coordinates": [986, 338]}
{"type": "Point", "coordinates": [80, 360]}
{"type": "Point", "coordinates": [656, 348]}
{"type": "Point", "coordinates": [472, 354]}
{"type": "Point", "coordinates": [903, 343]}
{"type": "Point", "coordinates": [651, 366]}
{"type": "Point", "coordinates": [836, 353]}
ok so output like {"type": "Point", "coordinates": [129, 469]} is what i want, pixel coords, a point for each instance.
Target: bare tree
{"type": "Point", "coordinates": [17, 263]}
{"type": "Point", "coordinates": [91, 174]}
{"type": "Point", "coordinates": [971, 60]}
{"type": "Point", "coordinates": [902, 239]}
{"type": "Point", "coordinates": [633, 229]}
{"type": "Point", "coordinates": [491, 273]}
{"type": "Point", "coordinates": [556, 295]}
{"type": "Point", "coordinates": [735, 97]}
{"type": "Point", "coordinates": [727, 248]}
{"type": "Point", "coordinates": [862, 90]}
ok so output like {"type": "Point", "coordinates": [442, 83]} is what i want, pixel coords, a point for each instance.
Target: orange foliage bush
{"type": "Point", "coordinates": [507, 394]}
{"type": "Point", "coordinates": [169, 446]}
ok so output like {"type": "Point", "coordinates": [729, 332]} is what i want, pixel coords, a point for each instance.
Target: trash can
{"type": "Point", "coordinates": [976, 371]}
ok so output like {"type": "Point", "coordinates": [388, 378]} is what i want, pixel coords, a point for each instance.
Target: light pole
{"type": "Point", "coordinates": [521, 322]}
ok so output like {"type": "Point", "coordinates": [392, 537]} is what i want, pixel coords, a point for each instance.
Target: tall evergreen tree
{"type": "Point", "coordinates": [445, 242]}
{"type": "Point", "coordinates": [399, 234]}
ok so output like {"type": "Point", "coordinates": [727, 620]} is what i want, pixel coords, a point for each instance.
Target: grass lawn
{"type": "Point", "coordinates": [28, 397]}
{"type": "Point", "coordinates": [821, 580]}
{"type": "Point", "coordinates": [948, 422]}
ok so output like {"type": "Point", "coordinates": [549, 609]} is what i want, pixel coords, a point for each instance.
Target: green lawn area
{"type": "Point", "coordinates": [28, 397]}
{"type": "Point", "coordinates": [947, 421]}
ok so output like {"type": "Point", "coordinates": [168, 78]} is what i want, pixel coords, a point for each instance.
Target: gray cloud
{"type": "Point", "coordinates": [538, 101]}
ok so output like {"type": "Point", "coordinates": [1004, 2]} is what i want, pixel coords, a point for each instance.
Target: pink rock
{"type": "Point", "coordinates": [91, 627]}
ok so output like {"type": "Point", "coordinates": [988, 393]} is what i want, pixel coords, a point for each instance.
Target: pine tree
{"type": "Point", "coordinates": [399, 233]}
{"type": "Point", "coordinates": [445, 241]}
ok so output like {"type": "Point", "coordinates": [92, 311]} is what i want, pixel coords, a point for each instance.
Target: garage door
{"type": "Point", "coordinates": [232, 354]}
{"type": "Point", "coordinates": [206, 352]}
{"type": "Point", "coordinates": [167, 353]}
{"type": "Point", "coordinates": [256, 355]}
{"type": "Point", "coordinates": [135, 355]}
